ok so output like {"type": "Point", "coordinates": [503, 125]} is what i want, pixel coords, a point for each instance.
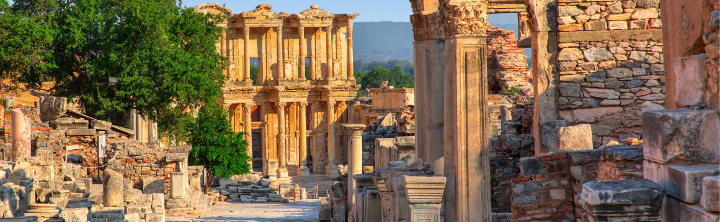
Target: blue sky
{"type": "Point", "coordinates": [370, 10]}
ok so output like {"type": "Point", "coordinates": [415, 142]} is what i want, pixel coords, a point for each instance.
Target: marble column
{"type": "Point", "coordinates": [331, 168]}
{"type": "Point", "coordinates": [247, 108]}
{"type": "Point", "coordinates": [281, 148]}
{"type": "Point", "coordinates": [328, 46]}
{"type": "Point", "coordinates": [246, 50]}
{"type": "Point", "coordinates": [301, 33]}
{"type": "Point", "coordinates": [280, 57]}
{"type": "Point", "coordinates": [355, 162]}
{"type": "Point", "coordinates": [303, 170]}
{"type": "Point", "coordinates": [21, 135]}
{"type": "Point", "coordinates": [350, 61]}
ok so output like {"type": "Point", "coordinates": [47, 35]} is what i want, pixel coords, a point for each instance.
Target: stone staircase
{"type": "Point", "coordinates": [315, 183]}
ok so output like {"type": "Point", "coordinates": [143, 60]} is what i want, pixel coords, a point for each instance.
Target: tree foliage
{"type": "Point", "coordinates": [405, 65]}
{"type": "Point", "coordinates": [114, 55]}
{"type": "Point", "coordinates": [378, 74]}
{"type": "Point", "coordinates": [216, 146]}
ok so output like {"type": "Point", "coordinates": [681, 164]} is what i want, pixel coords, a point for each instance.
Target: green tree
{"type": "Point", "coordinates": [152, 56]}
{"type": "Point", "coordinates": [375, 77]}
{"type": "Point", "coordinates": [216, 146]}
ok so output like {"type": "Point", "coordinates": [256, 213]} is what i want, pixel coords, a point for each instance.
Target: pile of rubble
{"type": "Point", "coordinates": [249, 192]}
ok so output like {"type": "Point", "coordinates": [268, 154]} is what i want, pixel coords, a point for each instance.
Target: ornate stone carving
{"type": "Point", "coordinates": [213, 8]}
{"type": "Point", "coordinates": [260, 12]}
{"type": "Point", "coordinates": [426, 27]}
{"type": "Point", "coordinates": [316, 13]}
{"type": "Point", "coordinates": [465, 18]}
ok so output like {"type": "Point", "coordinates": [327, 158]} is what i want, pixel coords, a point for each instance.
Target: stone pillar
{"type": "Point", "coordinates": [466, 153]}
{"type": "Point", "coordinates": [281, 148]}
{"type": "Point", "coordinates": [544, 57]}
{"type": "Point", "coordinates": [247, 107]}
{"type": "Point", "coordinates": [301, 33]}
{"type": "Point", "coordinates": [21, 135]}
{"type": "Point", "coordinates": [303, 170]}
{"type": "Point", "coordinates": [177, 185]}
{"type": "Point", "coordinates": [351, 111]}
{"type": "Point", "coordinates": [423, 195]}
{"type": "Point", "coordinates": [331, 168]}
{"type": "Point", "coordinates": [429, 72]}
{"type": "Point", "coordinates": [355, 160]}
{"type": "Point", "coordinates": [113, 189]}
{"type": "Point", "coordinates": [351, 70]}
{"type": "Point", "coordinates": [328, 46]}
{"type": "Point", "coordinates": [280, 57]}
{"type": "Point", "coordinates": [246, 50]}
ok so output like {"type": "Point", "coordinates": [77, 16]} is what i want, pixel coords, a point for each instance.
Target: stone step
{"type": "Point", "coordinates": [710, 198]}
{"type": "Point", "coordinates": [682, 135]}
{"type": "Point", "coordinates": [680, 181]}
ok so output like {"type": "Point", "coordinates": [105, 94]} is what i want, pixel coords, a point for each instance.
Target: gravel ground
{"type": "Point", "coordinates": [306, 210]}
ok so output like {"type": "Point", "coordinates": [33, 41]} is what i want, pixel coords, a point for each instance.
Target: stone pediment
{"type": "Point", "coordinates": [315, 13]}
{"type": "Point", "coordinates": [213, 8]}
{"type": "Point", "coordinates": [261, 12]}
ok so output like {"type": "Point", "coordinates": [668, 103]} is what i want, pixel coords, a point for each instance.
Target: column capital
{"type": "Point", "coordinates": [247, 106]}
{"type": "Point", "coordinates": [331, 101]}
{"type": "Point", "coordinates": [303, 105]}
{"type": "Point", "coordinates": [280, 105]}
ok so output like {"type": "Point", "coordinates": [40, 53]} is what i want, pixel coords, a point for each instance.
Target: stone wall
{"type": "Point", "coordinates": [610, 62]}
{"type": "Point", "coordinates": [549, 186]}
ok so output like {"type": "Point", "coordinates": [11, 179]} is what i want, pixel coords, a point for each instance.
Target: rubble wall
{"type": "Point", "coordinates": [507, 65]}
{"type": "Point", "coordinates": [549, 186]}
{"type": "Point", "coordinates": [610, 64]}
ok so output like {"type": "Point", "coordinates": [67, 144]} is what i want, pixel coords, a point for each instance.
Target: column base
{"type": "Point", "coordinates": [332, 170]}
{"type": "Point", "coordinates": [282, 173]}
{"type": "Point", "coordinates": [303, 171]}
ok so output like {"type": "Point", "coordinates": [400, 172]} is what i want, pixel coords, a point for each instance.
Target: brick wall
{"type": "Point", "coordinates": [507, 65]}
{"type": "Point", "coordinates": [549, 186]}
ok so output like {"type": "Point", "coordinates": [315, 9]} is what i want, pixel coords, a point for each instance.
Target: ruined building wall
{"type": "Point", "coordinates": [610, 64]}
{"type": "Point", "coordinates": [507, 64]}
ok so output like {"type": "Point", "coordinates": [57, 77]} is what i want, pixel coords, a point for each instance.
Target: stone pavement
{"type": "Point", "coordinates": [306, 210]}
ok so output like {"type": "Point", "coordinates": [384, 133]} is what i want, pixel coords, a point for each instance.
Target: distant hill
{"type": "Point", "coordinates": [384, 41]}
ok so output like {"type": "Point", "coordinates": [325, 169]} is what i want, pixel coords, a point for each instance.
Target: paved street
{"type": "Point", "coordinates": [306, 210]}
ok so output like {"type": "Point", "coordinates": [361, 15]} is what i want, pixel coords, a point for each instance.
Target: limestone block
{"type": "Point", "coordinates": [581, 157]}
{"type": "Point", "coordinates": [676, 210]}
{"type": "Point", "coordinates": [80, 132]}
{"type": "Point", "coordinates": [684, 182]}
{"type": "Point", "coordinates": [710, 198]}
{"type": "Point", "coordinates": [603, 93]}
{"type": "Point", "coordinates": [178, 184]}
{"type": "Point", "coordinates": [134, 217]}
{"type": "Point", "coordinates": [110, 214]}
{"type": "Point", "coordinates": [621, 197]}
{"type": "Point", "coordinates": [155, 217]}
{"type": "Point", "coordinates": [578, 137]}
{"type": "Point", "coordinates": [597, 54]}
{"type": "Point", "coordinates": [690, 81]}
{"type": "Point", "coordinates": [52, 107]}
{"type": "Point", "coordinates": [549, 135]}
{"type": "Point", "coordinates": [649, 13]}
{"type": "Point", "coordinates": [153, 185]}
{"type": "Point", "coordinates": [570, 54]}
{"type": "Point", "coordinates": [100, 125]}
{"type": "Point", "coordinates": [682, 136]}
{"type": "Point", "coordinates": [75, 214]}
{"type": "Point", "coordinates": [113, 189]}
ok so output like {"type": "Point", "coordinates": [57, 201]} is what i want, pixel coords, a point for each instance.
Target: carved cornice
{"type": "Point", "coordinates": [261, 12]}
{"type": "Point", "coordinates": [427, 27]}
{"type": "Point", "coordinates": [315, 13]}
{"type": "Point", "coordinates": [423, 189]}
{"type": "Point", "coordinates": [464, 18]}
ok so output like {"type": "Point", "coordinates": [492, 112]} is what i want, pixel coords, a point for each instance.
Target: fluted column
{"type": "Point", "coordinates": [330, 73]}
{"type": "Point", "coordinates": [303, 170]}
{"type": "Point", "coordinates": [350, 63]}
{"type": "Point", "coordinates": [331, 168]}
{"type": "Point", "coordinates": [301, 33]}
{"type": "Point", "coordinates": [282, 160]}
{"type": "Point", "coordinates": [246, 50]}
{"type": "Point", "coordinates": [248, 131]}
{"type": "Point", "coordinates": [280, 57]}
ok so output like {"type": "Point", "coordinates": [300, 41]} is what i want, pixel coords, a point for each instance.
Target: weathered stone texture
{"type": "Point", "coordinates": [682, 136]}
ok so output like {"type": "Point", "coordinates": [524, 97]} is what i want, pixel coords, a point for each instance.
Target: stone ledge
{"type": "Point", "coordinates": [612, 35]}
